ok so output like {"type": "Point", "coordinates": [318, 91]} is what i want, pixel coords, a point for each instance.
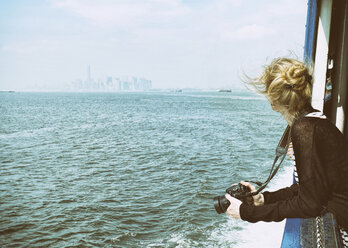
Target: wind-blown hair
{"type": "Point", "coordinates": [286, 82]}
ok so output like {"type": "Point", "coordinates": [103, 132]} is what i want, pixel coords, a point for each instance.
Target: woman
{"type": "Point", "coordinates": [321, 153]}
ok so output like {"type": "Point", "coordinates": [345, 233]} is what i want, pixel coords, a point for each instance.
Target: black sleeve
{"type": "Point", "coordinates": [281, 194]}
{"type": "Point", "coordinates": [312, 190]}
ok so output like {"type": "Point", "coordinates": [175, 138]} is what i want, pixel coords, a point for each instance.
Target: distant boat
{"type": "Point", "coordinates": [225, 90]}
{"type": "Point", "coordinates": [7, 91]}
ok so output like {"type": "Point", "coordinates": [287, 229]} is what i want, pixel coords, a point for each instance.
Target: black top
{"type": "Point", "coordinates": [321, 154]}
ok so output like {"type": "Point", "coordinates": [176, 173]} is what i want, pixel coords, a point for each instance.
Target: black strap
{"type": "Point", "coordinates": [281, 151]}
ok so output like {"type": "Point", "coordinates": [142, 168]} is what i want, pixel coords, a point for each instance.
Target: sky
{"type": "Point", "coordinates": [47, 44]}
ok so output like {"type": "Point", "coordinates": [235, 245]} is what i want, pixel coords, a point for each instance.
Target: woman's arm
{"type": "Point", "coordinates": [312, 191]}
{"type": "Point", "coordinates": [304, 205]}
{"type": "Point", "coordinates": [281, 194]}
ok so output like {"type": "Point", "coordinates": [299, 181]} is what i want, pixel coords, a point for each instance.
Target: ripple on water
{"type": "Point", "coordinates": [127, 170]}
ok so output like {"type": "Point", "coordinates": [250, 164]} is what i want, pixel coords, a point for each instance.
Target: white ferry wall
{"type": "Point", "coordinates": [329, 55]}
{"type": "Point", "coordinates": [338, 57]}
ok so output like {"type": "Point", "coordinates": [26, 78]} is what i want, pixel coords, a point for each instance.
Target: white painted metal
{"type": "Point", "coordinates": [321, 55]}
{"type": "Point", "coordinates": [342, 78]}
{"type": "Point", "coordinates": [340, 115]}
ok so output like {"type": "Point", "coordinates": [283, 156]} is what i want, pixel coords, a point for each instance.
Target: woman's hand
{"type": "Point", "coordinates": [233, 209]}
{"type": "Point", "coordinates": [256, 200]}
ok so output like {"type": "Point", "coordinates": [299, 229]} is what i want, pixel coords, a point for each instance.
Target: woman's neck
{"type": "Point", "coordinates": [289, 118]}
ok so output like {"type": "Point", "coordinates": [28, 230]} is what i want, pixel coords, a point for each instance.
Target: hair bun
{"type": "Point", "coordinates": [289, 86]}
{"type": "Point", "coordinates": [286, 82]}
{"type": "Point", "coordinates": [297, 76]}
{"type": "Point", "coordinates": [296, 71]}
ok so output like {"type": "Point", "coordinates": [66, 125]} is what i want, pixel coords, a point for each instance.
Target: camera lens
{"type": "Point", "coordinates": [221, 204]}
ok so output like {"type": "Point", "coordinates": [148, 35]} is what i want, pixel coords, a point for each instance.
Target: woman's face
{"type": "Point", "coordinates": [284, 111]}
{"type": "Point", "coordinates": [277, 107]}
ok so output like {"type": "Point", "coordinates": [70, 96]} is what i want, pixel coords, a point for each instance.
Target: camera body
{"type": "Point", "coordinates": [237, 190]}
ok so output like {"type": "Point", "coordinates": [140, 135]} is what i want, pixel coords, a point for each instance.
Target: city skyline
{"type": "Point", "coordinates": [111, 83]}
{"type": "Point", "coordinates": [176, 43]}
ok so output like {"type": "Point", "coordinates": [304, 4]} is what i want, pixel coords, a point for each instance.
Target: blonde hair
{"type": "Point", "coordinates": [286, 82]}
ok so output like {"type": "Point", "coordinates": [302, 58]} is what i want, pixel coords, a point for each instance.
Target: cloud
{"type": "Point", "coordinates": [203, 21]}
{"type": "Point", "coordinates": [252, 20]}
{"type": "Point", "coordinates": [31, 47]}
{"type": "Point", "coordinates": [122, 13]}
{"type": "Point", "coordinates": [250, 32]}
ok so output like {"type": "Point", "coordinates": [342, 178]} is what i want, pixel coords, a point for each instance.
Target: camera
{"type": "Point", "coordinates": [242, 192]}
{"type": "Point", "coordinates": [237, 190]}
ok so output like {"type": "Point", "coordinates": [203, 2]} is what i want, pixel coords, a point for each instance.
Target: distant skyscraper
{"type": "Point", "coordinates": [127, 83]}
{"type": "Point", "coordinates": [89, 73]}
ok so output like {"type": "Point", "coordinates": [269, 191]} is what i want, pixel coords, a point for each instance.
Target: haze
{"type": "Point", "coordinates": [48, 44]}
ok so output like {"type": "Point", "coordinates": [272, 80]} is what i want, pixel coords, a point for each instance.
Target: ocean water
{"type": "Point", "coordinates": [132, 169]}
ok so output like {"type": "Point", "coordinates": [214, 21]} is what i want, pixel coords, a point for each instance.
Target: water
{"type": "Point", "coordinates": [132, 169]}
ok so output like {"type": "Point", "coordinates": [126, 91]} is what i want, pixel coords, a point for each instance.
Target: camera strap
{"type": "Point", "coordinates": [281, 151]}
